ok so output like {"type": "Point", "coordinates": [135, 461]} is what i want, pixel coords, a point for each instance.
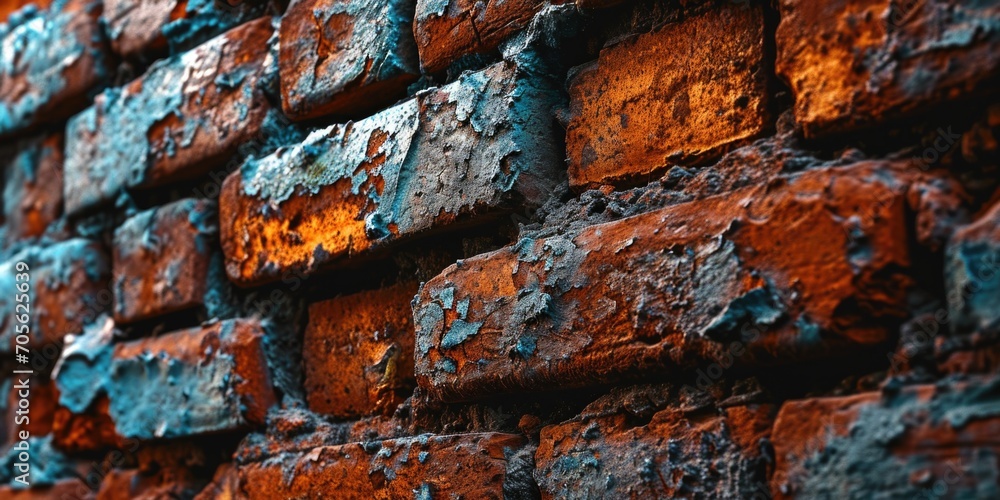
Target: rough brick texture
{"type": "Point", "coordinates": [138, 27]}
{"type": "Point", "coordinates": [216, 376]}
{"type": "Point", "coordinates": [164, 260]}
{"type": "Point", "coordinates": [425, 467]}
{"type": "Point", "coordinates": [68, 289]}
{"type": "Point", "coordinates": [903, 57]}
{"type": "Point", "coordinates": [358, 352]}
{"type": "Point", "coordinates": [501, 249]}
{"type": "Point", "coordinates": [182, 117]}
{"type": "Point", "coordinates": [673, 287]}
{"type": "Point", "coordinates": [345, 57]}
{"type": "Point", "coordinates": [33, 187]}
{"type": "Point", "coordinates": [51, 57]}
{"type": "Point", "coordinates": [680, 94]}
{"type": "Point", "coordinates": [466, 151]}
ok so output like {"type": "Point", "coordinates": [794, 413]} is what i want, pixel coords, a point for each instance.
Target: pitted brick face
{"type": "Point", "coordinates": [358, 352]}
{"type": "Point", "coordinates": [183, 117]}
{"type": "Point", "coordinates": [463, 153]}
{"type": "Point", "coordinates": [33, 186]}
{"type": "Point", "coordinates": [672, 288]}
{"type": "Point", "coordinates": [51, 57]}
{"type": "Point", "coordinates": [681, 94]}
{"type": "Point", "coordinates": [854, 64]}
{"type": "Point", "coordinates": [345, 57]}
{"type": "Point", "coordinates": [139, 28]}
{"type": "Point", "coordinates": [163, 260]}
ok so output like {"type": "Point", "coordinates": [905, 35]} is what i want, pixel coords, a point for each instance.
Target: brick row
{"type": "Point", "coordinates": [616, 449]}
{"type": "Point", "coordinates": [680, 94]}
{"type": "Point", "coordinates": [167, 259]}
{"type": "Point", "coordinates": [68, 289]}
{"type": "Point", "coordinates": [904, 58]}
{"type": "Point", "coordinates": [141, 28]}
{"type": "Point", "coordinates": [814, 264]}
{"type": "Point", "coordinates": [33, 187]}
{"type": "Point", "coordinates": [182, 118]}
{"type": "Point", "coordinates": [916, 442]}
{"type": "Point", "coordinates": [51, 57]}
{"type": "Point", "coordinates": [212, 378]}
{"type": "Point", "coordinates": [345, 57]}
{"type": "Point", "coordinates": [420, 467]}
{"type": "Point", "coordinates": [474, 149]}
{"type": "Point", "coordinates": [358, 352]}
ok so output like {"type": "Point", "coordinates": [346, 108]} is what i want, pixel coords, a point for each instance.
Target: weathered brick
{"type": "Point", "coordinates": [858, 63]}
{"type": "Point", "coordinates": [972, 275]}
{"type": "Point", "coordinates": [920, 441]}
{"type": "Point", "coordinates": [811, 265]}
{"type": "Point", "coordinates": [138, 27]}
{"type": "Point", "coordinates": [182, 118]}
{"type": "Point", "coordinates": [225, 485]}
{"type": "Point", "coordinates": [167, 259]}
{"type": "Point", "coordinates": [446, 30]}
{"type": "Point", "coordinates": [68, 289]}
{"type": "Point", "coordinates": [358, 352]}
{"type": "Point", "coordinates": [90, 431]}
{"type": "Point", "coordinates": [345, 57]}
{"type": "Point", "coordinates": [421, 467]}
{"type": "Point", "coordinates": [213, 378]}
{"type": "Point", "coordinates": [681, 94]}
{"type": "Point", "coordinates": [474, 149]}
{"type": "Point", "coordinates": [32, 197]}
{"type": "Point", "coordinates": [51, 57]}
{"type": "Point", "coordinates": [628, 445]}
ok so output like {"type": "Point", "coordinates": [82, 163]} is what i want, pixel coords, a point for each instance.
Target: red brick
{"type": "Point", "coordinates": [51, 58]}
{"type": "Point", "coordinates": [358, 352]}
{"type": "Point", "coordinates": [467, 152]}
{"type": "Point", "coordinates": [922, 440]}
{"type": "Point", "coordinates": [858, 63]}
{"type": "Point", "coordinates": [617, 449]}
{"type": "Point", "coordinates": [164, 483]}
{"type": "Point", "coordinates": [425, 467]}
{"type": "Point", "coordinates": [213, 378]}
{"type": "Point", "coordinates": [32, 197]}
{"type": "Point", "coordinates": [345, 57]}
{"type": "Point", "coordinates": [163, 259]}
{"type": "Point", "coordinates": [69, 289]}
{"type": "Point", "coordinates": [90, 431]}
{"type": "Point", "coordinates": [681, 94]}
{"type": "Point", "coordinates": [185, 116]}
{"type": "Point", "coordinates": [814, 264]}
{"type": "Point", "coordinates": [225, 485]}
{"type": "Point", "coordinates": [446, 30]}
{"type": "Point", "coordinates": [138, 28]}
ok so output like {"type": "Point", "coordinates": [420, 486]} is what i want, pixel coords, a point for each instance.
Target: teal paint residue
{"type": "Point", "coordinates": [204, 20]}
{"type": "Point", "coordinates": [446, 365]}
{"type": "Point", "coordinates": [47, 464]}
{"type": "Point", "coordinates": [459, 332]}
{"type": "Point", "coordinates": [429, 320]}
{"type": "Point", "coordinates": [37, 45]}
{"type": "Point", "coordinates": [81, 374]}
{"type": "Point", "coordinates": [759, 306]}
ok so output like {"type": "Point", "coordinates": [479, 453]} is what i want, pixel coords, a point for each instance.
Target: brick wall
{"type": "Point", "coordinates": [456, 249]}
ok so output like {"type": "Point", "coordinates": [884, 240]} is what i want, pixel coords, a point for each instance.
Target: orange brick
{"type": "Point", "coordinates": [163, 259]}
{"type": "Point", "coordinates": [464, 153]}
{"type": "Point", "coordinates": [185, 116]}
{"type": "Point", "coordinates": [922, 440]}
{"type": "Point", "coordinates": [345, 57]}
{"type": "Point", "coordinates": [859, 63]}
{"type": "Point", "coordinates": [213, 378]}
{"type": "Point", "coordinates": [358, 352]}
{"type": "Point", "coordinates": [139, 28]}
{"type": "Point", "coordinates": [754, 277]}
{"type": "Point", "coordinates": [425, 467]}
{"type": "Point", "coordinates": [32, 194]}
{"type": "Point", "coordinates": [681, 94]}
{"type": "Point", "coordinates": [46, 74]}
